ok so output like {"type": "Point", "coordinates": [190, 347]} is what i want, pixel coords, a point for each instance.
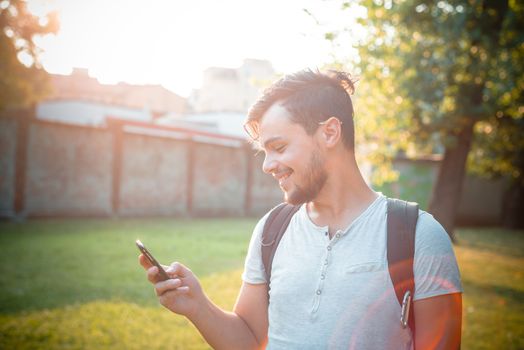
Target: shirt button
{"type": "Point", "coordinates": [325, 262]}
{"type": "Point", "coordinates": [337, 235]}
{"type": "Point", "coordinates": [328, 247]}
{"type": "Point", "coordinates": [319, 291]}
{"type": "Point", "coordinates": [322, 276]}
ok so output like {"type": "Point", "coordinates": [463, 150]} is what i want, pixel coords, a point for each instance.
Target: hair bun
{"type": "Point", "coordinates": [345, 80]}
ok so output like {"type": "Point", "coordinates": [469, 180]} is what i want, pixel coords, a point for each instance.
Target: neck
{"type": "Point", "coordinates": [344, 196]}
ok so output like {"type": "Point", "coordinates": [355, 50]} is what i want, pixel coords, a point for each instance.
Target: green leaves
{"type": "Point", "coordinates": [429, 68]}
{"type": "Point", "coordinates": [21, 84]}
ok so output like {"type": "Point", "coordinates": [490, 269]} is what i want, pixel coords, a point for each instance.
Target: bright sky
{"type": "Point", "coordinates": [171, 42]}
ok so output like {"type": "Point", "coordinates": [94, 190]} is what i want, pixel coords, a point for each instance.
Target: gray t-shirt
{"type": "Point", "coordinates": [337, 293]}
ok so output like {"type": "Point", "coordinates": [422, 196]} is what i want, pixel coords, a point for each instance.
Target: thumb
{"type": "Point", "coordinates": [144, 262]}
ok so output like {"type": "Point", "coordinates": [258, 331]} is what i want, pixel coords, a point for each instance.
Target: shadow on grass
{"type": "Point", "coordinates": [495, 240]}
{"type": "Point", "coordinates": [511, 295]}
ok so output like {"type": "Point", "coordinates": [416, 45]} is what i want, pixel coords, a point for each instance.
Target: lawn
{"type": "Point", "coordinates": [76, 284]}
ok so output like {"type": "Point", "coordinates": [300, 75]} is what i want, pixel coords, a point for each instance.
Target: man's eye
{"type": "Point", "coordinates": [280, 149]}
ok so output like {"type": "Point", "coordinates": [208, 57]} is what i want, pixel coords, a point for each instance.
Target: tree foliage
{"type": "Point", "coordinates": [21, 84]}
{"type": "Point", "coordinates": [451, 62]}
{"type": "Point", "coordinates": [446, 77]}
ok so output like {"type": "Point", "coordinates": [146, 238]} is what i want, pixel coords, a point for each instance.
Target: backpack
{"type": "Point", "coordinates": [401, 224]}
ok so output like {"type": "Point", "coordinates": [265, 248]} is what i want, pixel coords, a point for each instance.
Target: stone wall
{"type": "Point", "coordinates": [154, 176]}
{"type": "Point", "coordinates": [8, 131]}
{"type": "Point", "coordinates": [220, 180]}
{"type": "Point", "coordinates": [131, 169]}
{"type": "Point", "coordinates": [68, 171]}
{"type": "Point", "coordinates": [138, 169]}
{"type": "Point", "coordinates": [481, 202]}
{"type": "Point", "coordinates": [265, 192]}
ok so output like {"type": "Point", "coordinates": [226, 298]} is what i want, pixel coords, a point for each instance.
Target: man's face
{"type": "Point", "coordinates": [292, 156]}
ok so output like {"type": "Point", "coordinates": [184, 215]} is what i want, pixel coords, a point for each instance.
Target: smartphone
{"type": "Point", "coordinates": [152, 260]}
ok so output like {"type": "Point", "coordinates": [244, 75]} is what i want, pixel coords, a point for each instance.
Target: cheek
{"type": "Point", "coordinates": [296, 156]}
{"type": "Point", "coordinates": [291, 159]}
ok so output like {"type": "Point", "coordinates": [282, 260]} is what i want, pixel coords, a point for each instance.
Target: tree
{"type": "Point", "coordinates": [21, 84]}
{"type": "Point", "coordinates": [498, 151]}
{"type": "Point", "coordinates": [447, 71]}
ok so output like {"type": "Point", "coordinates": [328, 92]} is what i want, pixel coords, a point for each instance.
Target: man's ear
{"type": "Point", "coordinates": [331, 131]}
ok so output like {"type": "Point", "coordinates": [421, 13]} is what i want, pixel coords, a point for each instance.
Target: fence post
{"type": "Point", "coordinates": [116, 129]}
{"type": "Point", "coordinates": [190, 175]}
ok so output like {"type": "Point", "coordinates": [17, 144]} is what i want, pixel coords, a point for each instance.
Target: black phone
{"type": "Point", "coordinates": [152, 260]}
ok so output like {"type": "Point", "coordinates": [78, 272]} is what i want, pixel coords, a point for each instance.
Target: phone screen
{"type": "Point", "coordinates": [152, 260]}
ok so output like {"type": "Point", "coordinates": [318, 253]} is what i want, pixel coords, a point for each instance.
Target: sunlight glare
{"type": "Point", "coordinates": [172, 43]}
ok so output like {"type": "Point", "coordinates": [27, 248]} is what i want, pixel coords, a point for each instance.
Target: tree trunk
{"type": "Point", "coordinates": [448, 187]}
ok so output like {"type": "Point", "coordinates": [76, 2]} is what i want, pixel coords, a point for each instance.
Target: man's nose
{"type": "Point", "coordinates": [269, 164]}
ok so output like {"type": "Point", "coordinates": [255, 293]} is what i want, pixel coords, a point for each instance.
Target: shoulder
{"type": "Point", "coordinates": [254, 272]}
{"type": "Point", "coordinates": [435, 267]}
{"type": "Point", "coordinates": [430, 235]}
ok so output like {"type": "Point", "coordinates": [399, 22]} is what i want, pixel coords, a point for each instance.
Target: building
{"type": "Point", "coordinates": [232, 89]}
{"type": "Point", "coordinates": [79, 86]}
{"type": "Point", "coordinates": [82, 100]}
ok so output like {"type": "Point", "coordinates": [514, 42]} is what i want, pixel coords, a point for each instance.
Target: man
{"type": "Point", "coordinates": [330, 287]}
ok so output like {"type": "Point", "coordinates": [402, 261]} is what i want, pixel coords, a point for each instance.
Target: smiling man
{"type": "Point", "coordinates": [328, 285]}
{"type": "Point", "coordinates": [300, 170]}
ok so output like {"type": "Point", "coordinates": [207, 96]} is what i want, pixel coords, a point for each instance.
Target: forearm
{"type": "Point", "coordinates": [439, 322]}
{"type": "Point", "coordinates": [222, 329]}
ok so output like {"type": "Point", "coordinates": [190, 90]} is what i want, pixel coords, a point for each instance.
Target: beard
{"type": "Point", "coordinates": [314, 180]}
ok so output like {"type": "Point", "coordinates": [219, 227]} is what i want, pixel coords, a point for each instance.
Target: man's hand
{"type": "Point", "coordinates": [246, 328]}
{"type": "Point", "coordinates": [182, 293]}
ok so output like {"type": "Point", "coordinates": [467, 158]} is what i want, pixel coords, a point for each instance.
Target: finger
{"type": "Point", "coordinates": [167, 285]}
{"type": "Point", "coordinates": [144, 261]}
{"type": "Point", "coordinates": [177, 269]}
{"type": "Point", "coordinates": [182, 290]}
{"type": "Point", "coordinates": [152, 274]}
{"type": "Point", "coordinates": [164, 298]}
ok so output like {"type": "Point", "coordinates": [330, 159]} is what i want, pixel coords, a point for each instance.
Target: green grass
{"type": "Point", "coordinates": [76, 284]}
{"type": "Point", "coordinates": [492, 268]}
{"type": "Point", "coordinates": [57, 263]}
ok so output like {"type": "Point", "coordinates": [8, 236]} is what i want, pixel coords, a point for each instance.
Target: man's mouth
{"type": "Point", "coordinates": [282, 176]}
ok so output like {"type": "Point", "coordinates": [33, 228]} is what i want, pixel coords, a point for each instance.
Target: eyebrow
{"type": "Point", "coordinates": [271, 140]}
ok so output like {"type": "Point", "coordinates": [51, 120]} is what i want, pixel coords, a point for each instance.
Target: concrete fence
{"type": "Point", "coordinates": [138, 169]}
{"type": "Point", "coordinates": [481, 202]}
{"type": "Point", "coordinates": [127, 169]}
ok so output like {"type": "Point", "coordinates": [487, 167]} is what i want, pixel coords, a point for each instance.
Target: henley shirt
{"type": "Point", "coordinates": [336, 293]}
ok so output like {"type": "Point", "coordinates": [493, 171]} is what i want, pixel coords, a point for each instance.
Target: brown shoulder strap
{"type": "Point", "coordinates": [401, 226]}
{"type": "Point", "coordinates": [274, 228]}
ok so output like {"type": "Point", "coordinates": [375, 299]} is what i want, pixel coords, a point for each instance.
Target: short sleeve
{"type": "Point", "coordinates": [435, 267]}
{"type": "Point", "coordinates": [254, 271]}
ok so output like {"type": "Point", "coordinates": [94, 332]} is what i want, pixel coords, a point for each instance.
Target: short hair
{"type": "Point", "coordinates": [311, 97]}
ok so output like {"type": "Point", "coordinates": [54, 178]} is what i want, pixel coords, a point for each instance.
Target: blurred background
{"type": "Point", "coordinates": [123, 119]}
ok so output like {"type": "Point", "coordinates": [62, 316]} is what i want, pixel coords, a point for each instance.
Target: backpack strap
{"type": "Point", "coordinates": [401, 226]}
{"type": "Point", "coordinates": [274, 228]}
